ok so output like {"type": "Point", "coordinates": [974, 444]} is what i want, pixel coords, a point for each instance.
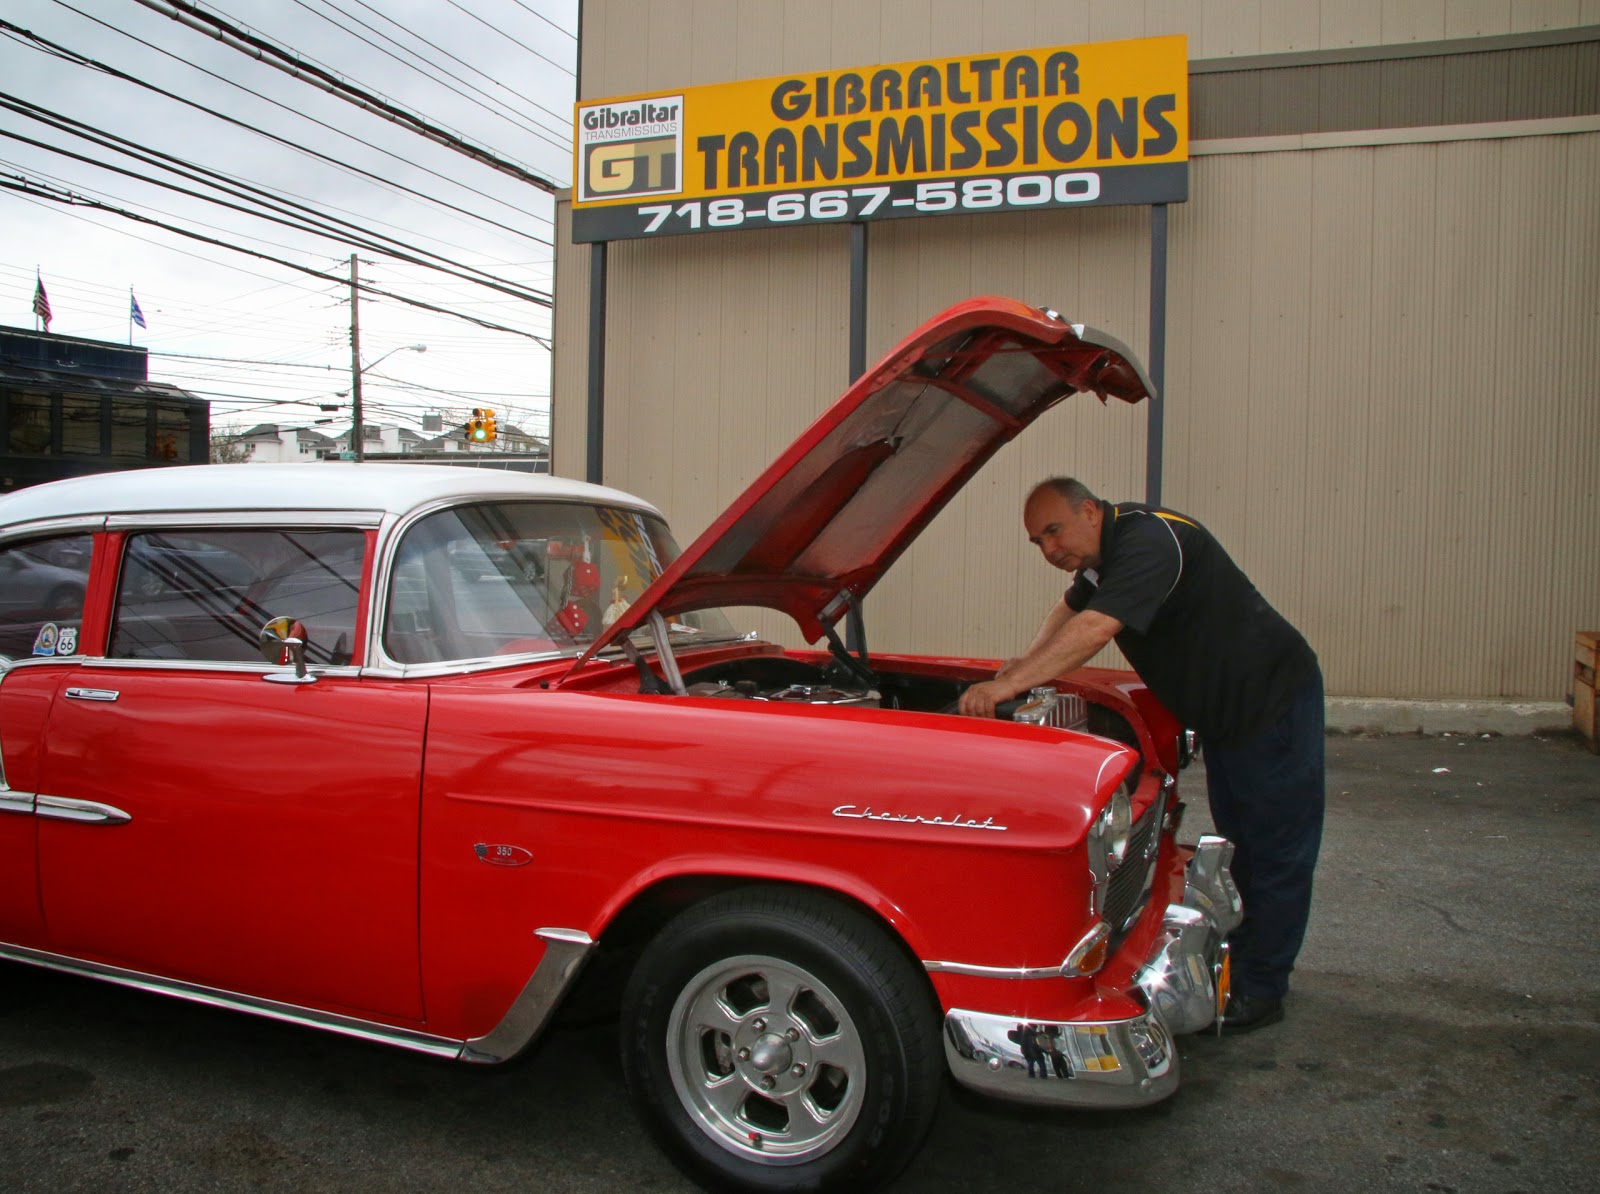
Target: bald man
{"type": "Point", "coordinates": [1227, 665]}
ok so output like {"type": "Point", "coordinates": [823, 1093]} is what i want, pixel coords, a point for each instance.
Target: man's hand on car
{"type": "Point", "coordinates": [980, 699]}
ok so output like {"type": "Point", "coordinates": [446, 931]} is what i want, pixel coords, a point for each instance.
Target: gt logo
{"type": "Point", "coordinates": [632, 167]}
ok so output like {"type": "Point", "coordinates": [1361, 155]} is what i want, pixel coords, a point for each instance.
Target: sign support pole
{"type": "Point", "coordinates": [858, 300]}
{"type": "Point", "coordinates": [1156, 414]}
{"type": "Point", "coordinates": [855, 624]}
{"type": "Point", "coordinates": [595, 462]}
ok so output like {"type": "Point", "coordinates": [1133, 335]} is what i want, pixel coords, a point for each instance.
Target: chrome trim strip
{"type": "Point", "coordinates": [88, 523]}
{"type": "Point", "coordinates": [274, 520]}
{"type": "Point", "coordinates": [566, 950]}
{"type": "Point", "coordinates": [5, 670]}
{"type": "Point", "coordinates": [9, 664]}
{"type": "Point", "coordinates": [92, 694]}
{"type": "Point", "coordinates": [462, 667]}
{"type": "Point", "coordinates": [203, 665]}
{"type": "Point", "coordinates": [15, 802]}
{"type": "Point", "coordinates": [91, 812]}
{"type": "Point", "coordinates": [972, 970]}
{"type": "Point", "coordinates": [1068, 967]}
{"type": "Point", "coordinates": [288, 1013]}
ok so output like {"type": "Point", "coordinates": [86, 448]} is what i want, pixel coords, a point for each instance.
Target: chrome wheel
{"type": "Point", "coordinates": [766, 1058]}
{"type": "Point", "coordinates": [777, 1040]}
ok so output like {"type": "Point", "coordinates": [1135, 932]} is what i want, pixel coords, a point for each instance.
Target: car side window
{"type": "Point", "coordinates": [206, 594]}
{"type": "Point", "coordinates": [42, 587]}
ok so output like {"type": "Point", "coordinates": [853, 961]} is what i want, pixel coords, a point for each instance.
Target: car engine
{"type": "Point", "coordinates": [803, 694]}
{"type": "Point", "coordinates": [1042, 706]}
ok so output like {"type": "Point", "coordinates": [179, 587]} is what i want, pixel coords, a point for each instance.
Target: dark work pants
{"type": "Point", "coordinates": [1267, 798]}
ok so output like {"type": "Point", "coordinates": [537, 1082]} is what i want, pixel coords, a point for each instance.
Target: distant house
{"type": "Point", "coordinates": [268, 443]}
{"type": "Point", "coordinates": [380, 441]}
{"type": "Point", "coordinates": [71, 406]}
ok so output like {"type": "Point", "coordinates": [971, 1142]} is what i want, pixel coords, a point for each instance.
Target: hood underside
{"type": "Point", "coordinates": [824, 522]}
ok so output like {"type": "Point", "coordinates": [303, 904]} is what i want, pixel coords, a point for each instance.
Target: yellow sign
{"type": "Point", "coordinates": [1065, 126]}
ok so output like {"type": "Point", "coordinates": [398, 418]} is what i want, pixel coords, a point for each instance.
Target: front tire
{"type": "Point", "coordinates": [780, 1040]}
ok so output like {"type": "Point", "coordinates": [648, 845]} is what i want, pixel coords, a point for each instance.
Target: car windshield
{"type": "Point", "coordinates": [512, 578]}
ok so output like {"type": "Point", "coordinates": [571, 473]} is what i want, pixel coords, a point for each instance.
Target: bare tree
{"type": "Point", "coordinates": [227, 449]}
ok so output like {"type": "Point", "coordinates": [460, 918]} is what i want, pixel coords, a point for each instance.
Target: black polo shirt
{"type": "Point", "coordinates": [1193, 626]}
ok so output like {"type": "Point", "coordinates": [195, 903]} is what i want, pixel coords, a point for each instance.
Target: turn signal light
{"type": "Point", "coordinates": [1090, 953]}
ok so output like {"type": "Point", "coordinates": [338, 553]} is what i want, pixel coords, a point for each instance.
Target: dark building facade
{"type": "Point", "coordinates": [71, 406]}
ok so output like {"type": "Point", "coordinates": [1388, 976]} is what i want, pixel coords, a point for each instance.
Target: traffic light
{"type": "Point", "coordinates": [480, 427]}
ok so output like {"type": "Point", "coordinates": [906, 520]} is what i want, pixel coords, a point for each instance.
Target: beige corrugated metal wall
{"type": "Point", "coordinates": [1381, 359]}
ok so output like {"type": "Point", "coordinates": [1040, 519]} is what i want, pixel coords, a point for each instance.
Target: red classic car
{"type": "Point", "coordinates": [417, 754]}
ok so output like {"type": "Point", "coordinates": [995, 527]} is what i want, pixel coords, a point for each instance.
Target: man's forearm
{"type": "Point", "coordinates": [1054, 619]}
{"type": "Point", "coordinates": [1072, 645]}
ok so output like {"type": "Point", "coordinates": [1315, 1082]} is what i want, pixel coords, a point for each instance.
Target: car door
{"type": "Point", "coordinates": [214, 824]}
{"type": "Point", "coordinates": [42, 585]}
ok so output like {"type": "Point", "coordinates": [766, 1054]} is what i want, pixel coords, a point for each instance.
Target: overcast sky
{"type": "Point", "coordinates": [514, 60]}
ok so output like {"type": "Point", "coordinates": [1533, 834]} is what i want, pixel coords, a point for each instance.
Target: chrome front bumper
{"type": "Point", "coordinates": [1114, 1063]}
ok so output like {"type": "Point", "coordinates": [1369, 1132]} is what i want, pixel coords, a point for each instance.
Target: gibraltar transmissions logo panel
{"type": "Point", "coordinates": [634, 147]}
{"type": "Point", "coordinates": [1074, 126]}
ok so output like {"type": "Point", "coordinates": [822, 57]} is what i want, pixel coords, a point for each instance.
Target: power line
{"type": "Point", "coordinates": [84, 201]}
{"type": "Point", "coordinates": [565, 119]}
{"type": "Point", "coordinates": [58, 183]}
{"type": "Point", "coordinates": [538, 130]}
{"type": "Point", "coordinates": [193, 356]}
{"type": "Point", "coordinates": [52, 202]}
{"type": "Point", "coordinates": [545, 19]}
{"type": "Point", "coordinates": [55, 49]}
{"type": "Point", "coordinates": [187, 13]}
{"type": "Point", "coordinates": [507, 36]}
{"type": "Point", "coordinates": [111, 141]}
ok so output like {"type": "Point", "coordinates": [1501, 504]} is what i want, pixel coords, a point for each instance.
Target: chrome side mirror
{"type": "Point", "coordinates": [283, 641]}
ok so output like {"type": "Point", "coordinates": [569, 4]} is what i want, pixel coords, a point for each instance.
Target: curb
{"type": "Point", "coordinates": [1356, 715]}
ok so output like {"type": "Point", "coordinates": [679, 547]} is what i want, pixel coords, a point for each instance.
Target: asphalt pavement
{"type": "Point", "coordinates": [1443, 1035]}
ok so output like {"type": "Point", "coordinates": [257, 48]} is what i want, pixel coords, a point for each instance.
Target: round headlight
{"type": "Point", "coordinates": [1115, 825]}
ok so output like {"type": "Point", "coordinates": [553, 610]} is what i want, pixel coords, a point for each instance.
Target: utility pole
{"type": "Point", "coordinates": [357, 430]}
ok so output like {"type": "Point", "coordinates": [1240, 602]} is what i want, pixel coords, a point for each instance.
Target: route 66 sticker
{"type": "Point", "coordinates": [67, 640]}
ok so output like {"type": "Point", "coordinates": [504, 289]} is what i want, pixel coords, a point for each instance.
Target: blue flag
{"type": "Point", "coordinates": [133, 309]}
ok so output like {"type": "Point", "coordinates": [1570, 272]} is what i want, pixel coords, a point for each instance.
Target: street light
{"type": "Point", "coordinates": [357, 429]}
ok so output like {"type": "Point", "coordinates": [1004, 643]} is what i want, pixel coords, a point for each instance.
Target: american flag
{"type": "Point", "coordinates": [41, 301]}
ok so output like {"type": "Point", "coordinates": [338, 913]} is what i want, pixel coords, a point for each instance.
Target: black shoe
{"type": "Point", "coordinates": [1246, 1012]}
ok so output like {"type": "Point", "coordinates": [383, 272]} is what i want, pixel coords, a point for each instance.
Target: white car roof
{"type": "Point", "coordinates": [388, 488]}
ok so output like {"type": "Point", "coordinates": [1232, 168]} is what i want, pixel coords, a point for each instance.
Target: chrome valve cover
{"type": "Point", "coordinates": [1047, 707]}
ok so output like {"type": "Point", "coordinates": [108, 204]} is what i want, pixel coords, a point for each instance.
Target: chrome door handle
{"type": "Point", "coordinates": [92, 694]}
{"type": "Point", "coordinates": [61, 808]}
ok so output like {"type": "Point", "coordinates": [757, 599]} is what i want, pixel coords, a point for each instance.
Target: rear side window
{"type": "Point", "coordinates": [42, 586]}
{"type": "Point", "coordinates": [205, 595]}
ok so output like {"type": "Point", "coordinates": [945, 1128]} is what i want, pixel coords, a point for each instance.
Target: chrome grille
{"type": "Point", "coordinates": [1130, 881]}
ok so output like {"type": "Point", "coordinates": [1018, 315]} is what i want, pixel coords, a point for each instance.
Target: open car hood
{"type": "Point", "coordinates": [825, 521]}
